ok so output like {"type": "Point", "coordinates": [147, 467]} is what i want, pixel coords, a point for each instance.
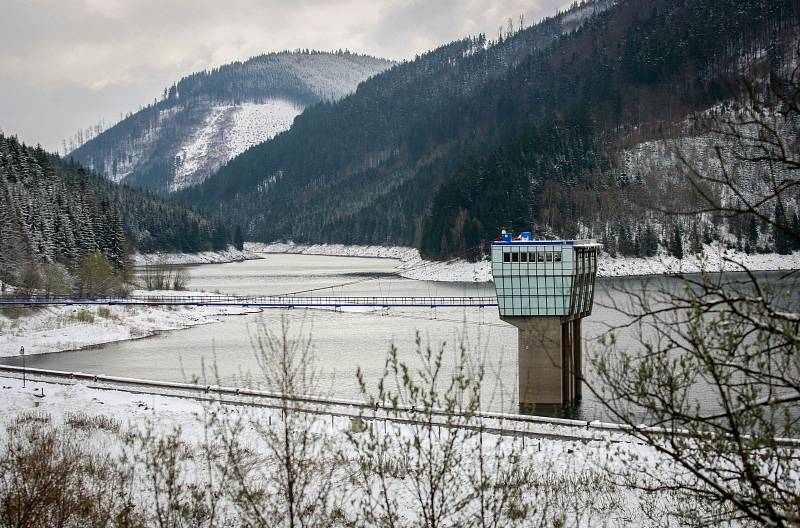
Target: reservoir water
{"type": "Point", "coordinates": [342, 341]}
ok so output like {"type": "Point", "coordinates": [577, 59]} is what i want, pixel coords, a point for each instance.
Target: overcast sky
{"type": "Point", "coordinates": [67, 64]}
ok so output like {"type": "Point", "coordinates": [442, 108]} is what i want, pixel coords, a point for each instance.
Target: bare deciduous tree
{"type": "Point", "coordinates": [162, 276]}
{"type": "Point", "coordinates": [423, 460]}
{"type": "Point", "coordinates": [717, 369]}
{"type": "Point", "coordinates": [285, 475]}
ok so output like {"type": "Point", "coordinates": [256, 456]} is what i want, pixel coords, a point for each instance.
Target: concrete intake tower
{"type": "Point", "coordinates": [545, 288]}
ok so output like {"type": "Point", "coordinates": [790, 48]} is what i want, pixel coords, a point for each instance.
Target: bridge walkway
{"type": "Point", "coordinates": [279, 301]}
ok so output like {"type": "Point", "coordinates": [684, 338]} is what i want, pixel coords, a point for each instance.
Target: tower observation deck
{"type": "Point", "coordinates": [545, 288]}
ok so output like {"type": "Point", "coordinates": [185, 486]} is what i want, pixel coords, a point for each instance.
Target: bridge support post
{"type": "Point", "coordinates": [549, 360]}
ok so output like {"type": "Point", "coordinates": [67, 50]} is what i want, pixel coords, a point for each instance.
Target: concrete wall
{"type": "Point", "coordinates": [549, 359]}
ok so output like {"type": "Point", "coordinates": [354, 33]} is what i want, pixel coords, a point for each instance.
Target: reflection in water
{"type": "Point", "coordinates": [344, 340]}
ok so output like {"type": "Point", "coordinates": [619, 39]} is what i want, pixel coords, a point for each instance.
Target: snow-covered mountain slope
{"type": "Point", "coordinates": [228, 131]}
{"type": "Point", "coordinates": [210, 117]}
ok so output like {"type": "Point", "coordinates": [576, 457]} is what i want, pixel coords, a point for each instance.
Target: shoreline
{"type": "Point", "coordinates": [67, 328]}
{"type": "Point", "coordinates": [715, 259]}
{"type": "Point", "coordinates": [204, 257]}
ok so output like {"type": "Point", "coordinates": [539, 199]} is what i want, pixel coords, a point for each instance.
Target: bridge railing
{"type": "Point", "coordinates": [34, 298]}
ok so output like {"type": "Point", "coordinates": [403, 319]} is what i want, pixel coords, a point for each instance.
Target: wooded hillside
{"type": "Point", "coordinates": [534, 127]}
{"type": "Point", "coordinates": [55, 211]}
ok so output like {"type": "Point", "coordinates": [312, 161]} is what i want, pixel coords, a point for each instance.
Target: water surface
{"type": "Point", "coordinates": [342, 341]}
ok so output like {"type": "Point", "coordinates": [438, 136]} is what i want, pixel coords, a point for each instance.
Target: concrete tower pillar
{"type": "Point", "coordinates": [577, 353]}
{"type": "Point", "coordinates": [549, 352]}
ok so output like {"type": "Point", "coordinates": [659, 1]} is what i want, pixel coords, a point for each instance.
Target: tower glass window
{"type": "Point", "coordinates": [544, 277]}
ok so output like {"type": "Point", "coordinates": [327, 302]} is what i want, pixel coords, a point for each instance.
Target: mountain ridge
{"type": "Point", "coordinates": [397, 115]}
{"type": "Point", "coordinates": [209, 117]}
{"type": "Point", "coordinates": [630, 68]}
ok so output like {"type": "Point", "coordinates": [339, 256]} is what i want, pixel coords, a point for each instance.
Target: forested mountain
{"type": "Point", "coordinates": [534, 127]}
{"type": "Point", "coordinates": [55, 211]}
{"type": "Point", "coordinates": [207, 118]}
{"type": "Point", "coordinates": [607, 113]}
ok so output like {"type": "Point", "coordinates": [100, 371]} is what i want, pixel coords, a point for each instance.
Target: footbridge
{"type": "Point", "coordinates": [277, 301]}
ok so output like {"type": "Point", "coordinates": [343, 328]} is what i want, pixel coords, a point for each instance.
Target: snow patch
{"type": "Point", "coordinates": [715, 258]}
{"type": "Point", "coordinates": [60, 328]}
{"type": "Point", "coordinates": [339, 250]}
{"type": "Point", "coordinates": [255, 123]}
{"type": "Point", "coordinates": [194, 154]}
{"type": "Point", "coordinates": [227, 131]}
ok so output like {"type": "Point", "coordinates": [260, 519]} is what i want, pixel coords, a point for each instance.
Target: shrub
{"type": "Point", "coordinates": [96, 276]}
{"type": "Point", "coordinates": [162, 276]}
{"type": "Point", "coordinates": [49, 478]}
{"type": "Point", "coordinates": [30, 276]}
{"type": "Point", "coordinates": [85, 421]}
{"type": "Point", "coordinates": [56, 278]}
{"type": "Point", "coordinates": [180, 279]}
{"type": "Point", "coordinates": [84, 316]}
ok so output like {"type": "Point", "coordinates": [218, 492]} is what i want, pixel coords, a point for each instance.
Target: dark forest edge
{"type": "Point", "coordinates": [63, 228]}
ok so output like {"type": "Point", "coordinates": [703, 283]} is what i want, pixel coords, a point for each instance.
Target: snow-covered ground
{"type": "Point", "coordinates": [61, 400]}
{"type": "Point", "coordinates": [412, 266]}
{"type": "Point", "coordinates": [405, 254]}
{"type": "Point", "coordinates": [194, 154]}
{"type": "Point", "coordinates": [59, 328]}
{"type": "Point", "coordinates": [204, 257]}
{"type": "Point", "coordinates": [571, 472]}
{"type": "Point", "coordinates": [255, 123]}
{"type": "Point", "coordinates": [714, 259]}
{"type": "Point", "coordinates": [226, 132]}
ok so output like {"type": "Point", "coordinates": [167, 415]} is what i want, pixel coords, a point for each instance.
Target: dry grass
{"type": "Point", "coordinates": [30, 417]}
{"type": "Point", "coordinates": [17, 312]}
{"type": "Point", "coordinates": [50, 478]}
{"type": "Point", "coordinates": [84, 316]}
{"type": "Point", "coordinates": [89, 422]}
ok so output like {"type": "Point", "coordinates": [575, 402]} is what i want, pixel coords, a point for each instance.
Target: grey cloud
{"type": "Point", "coordinates": [65, 64]}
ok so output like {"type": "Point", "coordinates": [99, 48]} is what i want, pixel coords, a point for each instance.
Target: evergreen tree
{"type": "Point", "coordinates": [55, 211]}
{"type": "Point", "coordinates": [696, 240]}
{"type": "Point", "coordinates": [238, 238]}
{"type": "Point", "coordinates": [219, 237]}
{"type": "Point", "coordinates": [795, 237]}
{"type": "Point", "coordinates": [626, 244]}
{"type": "Point", "coordinates": [609, 243]}
{"type": "Point", "coordinates": [782, 239]}
{"type": "Point", "coordinates": [524, 131]}
{"type": "Point", "coordinates": [676, 244]}
{"type": "Point", "coordinates": [751, 245]}
{"type": "Point", "coordinates": [650, 242]}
